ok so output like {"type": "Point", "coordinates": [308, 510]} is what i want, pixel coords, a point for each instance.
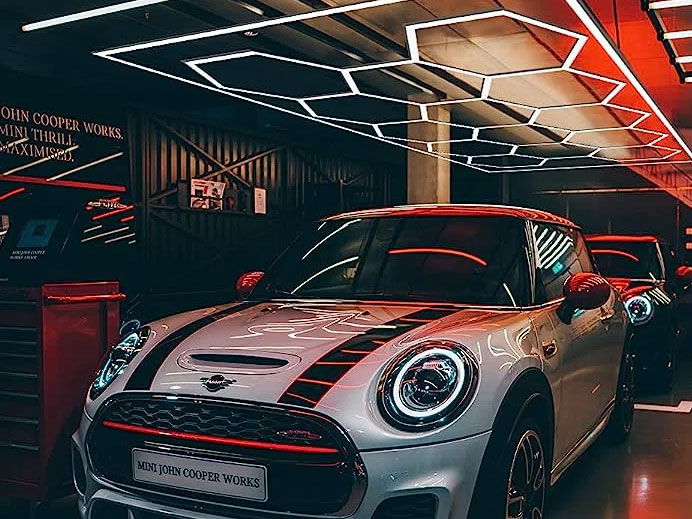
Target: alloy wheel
{"type": "Point", "coordinates": [527, 479]}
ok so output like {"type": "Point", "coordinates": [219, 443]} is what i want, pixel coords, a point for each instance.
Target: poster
{"type": "Point", "coordinates": [206, 194]}
{"type": "Point", "coordinates": [260, 200]}
{"type": "Point", "coordinates": [58, 146]}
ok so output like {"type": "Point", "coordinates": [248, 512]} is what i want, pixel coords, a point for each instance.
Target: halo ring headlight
{"type": "Point", "coordinates": [428, 386]}
{"type": "Point", "coordinates": [117, 359]}
{"type": "Point", "coordinates": [640, 309]}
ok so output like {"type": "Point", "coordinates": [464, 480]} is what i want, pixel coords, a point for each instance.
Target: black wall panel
{"type": "Point", "coordinates": [187, 250]}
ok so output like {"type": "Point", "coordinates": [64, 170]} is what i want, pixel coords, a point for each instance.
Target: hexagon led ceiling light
{"type": "Point", "coordinates": [543, 107]}
{"type": "Point", "coordinates": [672, 20]}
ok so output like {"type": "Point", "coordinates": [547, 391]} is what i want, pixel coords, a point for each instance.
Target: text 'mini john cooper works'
{"type": "Point", "coordinates": [346, 259]}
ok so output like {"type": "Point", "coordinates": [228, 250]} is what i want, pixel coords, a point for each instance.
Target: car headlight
{"type": "Point", "coordinates": [640, 309]}
{"type": "Point", "coordinates": [118, 358]}
{"type": "Point", "coordinates": [428, 386]}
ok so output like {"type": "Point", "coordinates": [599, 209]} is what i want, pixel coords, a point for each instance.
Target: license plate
{"type": "Point", "coordinates": [211, 477]}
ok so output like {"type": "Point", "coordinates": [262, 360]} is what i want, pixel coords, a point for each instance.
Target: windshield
{"type": "Point", "coordinates": [632, 260]}
{"type": "Point", "coordinates": [474, 260]}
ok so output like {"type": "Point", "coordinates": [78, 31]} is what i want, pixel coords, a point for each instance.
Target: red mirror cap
{"type": "Point", "coordinates": [684, 274]}
{"type": "Point", "coordinates": [587, 291]}
{"type": "Point", "coordinates": [246, 282]}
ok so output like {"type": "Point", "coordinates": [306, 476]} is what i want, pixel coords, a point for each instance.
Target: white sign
{"type": "Point", "coordinates": [211, 477]}
{"type": "Point", "coordinates": [260, 200]}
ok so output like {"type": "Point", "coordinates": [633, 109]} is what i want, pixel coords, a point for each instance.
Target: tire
{"type": "Point", "coordinates": [526, 487]}
{"type": "Point", "coordinates": [622, 418]}
{"type": "Point", "coordinates": [517, 486]}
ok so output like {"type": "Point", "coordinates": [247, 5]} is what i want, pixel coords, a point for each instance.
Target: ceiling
{"type": "Point", "coordinates": [511, 85]}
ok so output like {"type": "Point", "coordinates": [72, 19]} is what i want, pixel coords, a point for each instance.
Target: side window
{"type": "Point", "coordinates": [670, 262]}
{"type": "Point", "coordinates": [561, 252]}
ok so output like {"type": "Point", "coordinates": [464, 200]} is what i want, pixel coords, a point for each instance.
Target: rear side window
{"type": "Point", "coordinates": [627, 259]}
{"type": "Point", "coordinates": [561, 252]}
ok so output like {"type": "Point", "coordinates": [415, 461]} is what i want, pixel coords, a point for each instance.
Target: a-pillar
{"type": "Point", "coordinates": [428, 177]}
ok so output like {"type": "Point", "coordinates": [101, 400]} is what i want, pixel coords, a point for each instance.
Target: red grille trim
{"type": "Point", "coordinates": [218, 440]}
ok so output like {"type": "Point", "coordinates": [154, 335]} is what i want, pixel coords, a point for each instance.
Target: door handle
{"type": "Point", "coordinates": [606, 316]}
{"type": "Point", "coordinates": [550, 349]}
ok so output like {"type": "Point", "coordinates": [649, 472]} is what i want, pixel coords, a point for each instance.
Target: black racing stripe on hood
{"type": "Point", "coordinates": [311, 386]}
{"type": "Point", "coordinates": [144, 374]}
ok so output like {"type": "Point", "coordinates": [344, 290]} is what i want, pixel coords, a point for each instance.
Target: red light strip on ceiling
{"type": "Point", "coordinates": [126, 219]}
{"type": "Point", "coordinates": [619, 238]}
{"type": "Point", "coordinates": [94, 186]}
{"type": "Point", "coordinates": [12, 193]}
{"type": "Point", "coordinates": [615, 252]}
{"type": "Point", "coordinates": [219, 440]}
{"type": "Point", "coordinates": [450, 252]}
{"type": "Point", "coordinates": [112, 213]}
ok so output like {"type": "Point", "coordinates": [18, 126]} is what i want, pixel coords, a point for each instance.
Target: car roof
{"type": "Point", "coordinates": [623, 238]}
{"type": "Point", "coordinates": [458, 210]}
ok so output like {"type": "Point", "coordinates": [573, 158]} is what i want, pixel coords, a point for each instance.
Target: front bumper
{"type": "Point", "coordinates": [446, 471]}
{"type": "Point", "coordinates": [653, 345]}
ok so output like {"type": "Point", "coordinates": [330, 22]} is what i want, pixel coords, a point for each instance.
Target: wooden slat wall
{"type": "Point", "coordinates": [186, 249]}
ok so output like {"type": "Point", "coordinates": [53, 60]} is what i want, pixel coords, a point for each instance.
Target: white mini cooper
{"type": "Point", "coordinates": [420, 362]}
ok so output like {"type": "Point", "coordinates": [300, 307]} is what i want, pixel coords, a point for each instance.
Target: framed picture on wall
{"type": "Point", "coordinates": [206, 194]}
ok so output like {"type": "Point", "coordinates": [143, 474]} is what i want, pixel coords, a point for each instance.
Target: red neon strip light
{"type": "Point", "coordinates": [112, 213]}
{"type": "Point", "coordinates": [618, 238]}
{"type": "Point", "coordinates": [126, 219]}
{"type": "Point", "coordinates": [12, 193]}
{"type": "Point", "coordinates": [94, 186]}
{"type": "Point", "coordinates": [219, 440]}
{"type": "Point", "coordinates": [334, 363]}
{"type": "Point", "coordinates": [357, 352]}
{"type": "Point", "coordinates": [450, 252]}
{"type": "Point", "coordinates": [616, 252]}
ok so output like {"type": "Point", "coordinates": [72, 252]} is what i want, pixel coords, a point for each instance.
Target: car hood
{"type": "Point", "coordinates": [279, 352]}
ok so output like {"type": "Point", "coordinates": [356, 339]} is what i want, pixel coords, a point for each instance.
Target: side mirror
{"type": "Point", "coordinates": [684, 275]}
{"type": "Point", "coordinates": [247, 282]}
{"type": "Point", "coordinates": [584, 291]}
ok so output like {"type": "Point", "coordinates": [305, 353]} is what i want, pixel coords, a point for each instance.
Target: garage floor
{"type": "Point", "coordinates": [650, 477]}
{"type": "Point", "coordinates": [646, 478]}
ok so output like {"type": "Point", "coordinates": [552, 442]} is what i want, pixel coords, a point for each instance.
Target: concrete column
{"type": "Point", "coordinates": [428, 177]}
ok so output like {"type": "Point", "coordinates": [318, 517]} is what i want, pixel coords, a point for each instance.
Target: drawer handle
{"type": "Point", "coordinates": [70, 300]}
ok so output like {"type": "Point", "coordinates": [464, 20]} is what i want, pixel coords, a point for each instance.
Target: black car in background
{"type": "Point", "coordinates": [645, 271]}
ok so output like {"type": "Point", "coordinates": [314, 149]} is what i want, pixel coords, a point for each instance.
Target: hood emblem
{"type": "Point", "coordinates": [295, 434]}
{"type": "Point", "coordinates": [216, 383]}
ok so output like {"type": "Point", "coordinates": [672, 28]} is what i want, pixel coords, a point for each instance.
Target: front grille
{"type": "Point", "coordinates": [420, 506]}
{"type": "Point", "coordinates": [320, 472]}
{"type": "Point", "coordinates": [223, 420]}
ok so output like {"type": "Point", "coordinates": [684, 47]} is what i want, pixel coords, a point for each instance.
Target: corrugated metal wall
{"type": "Point", "coordinates": [191, 249]}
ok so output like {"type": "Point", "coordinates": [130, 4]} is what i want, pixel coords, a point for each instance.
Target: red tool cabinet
{"type": "Point", "coordinates": [52, 339]}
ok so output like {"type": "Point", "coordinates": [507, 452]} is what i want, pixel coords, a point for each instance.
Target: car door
{"type": "Point", "coordinates": [609, 340]}
{"type": "Point", "coordinates": [577, 344]}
